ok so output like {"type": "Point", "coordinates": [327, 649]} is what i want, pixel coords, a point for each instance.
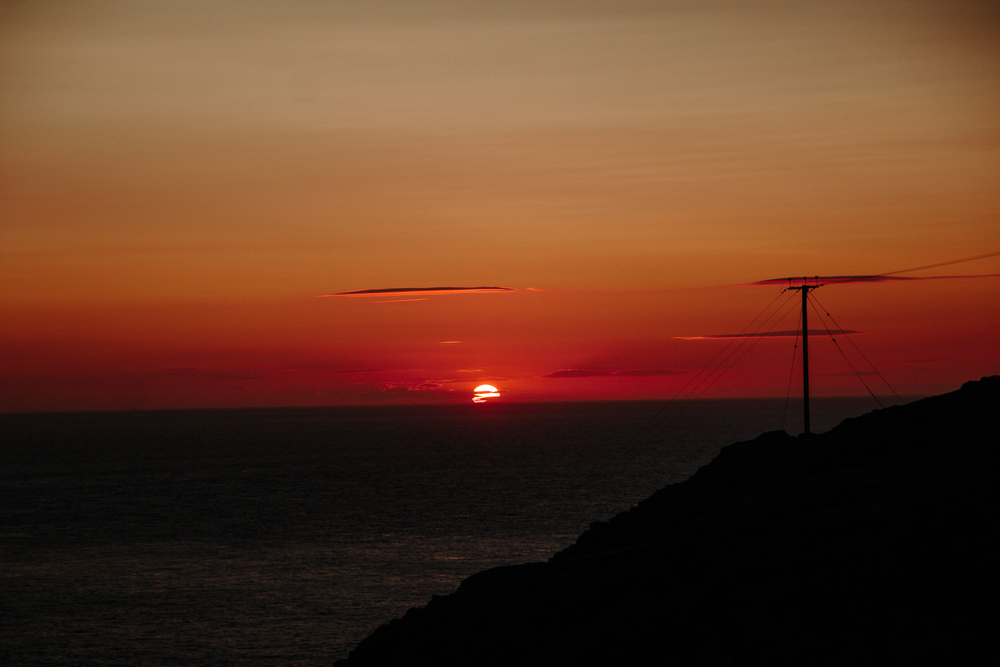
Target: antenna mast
{"type": "Point", "coordinates": [804, 288]}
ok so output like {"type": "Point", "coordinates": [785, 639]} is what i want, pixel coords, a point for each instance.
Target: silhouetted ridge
{"type": "Point", "coordinates": [871, 544]}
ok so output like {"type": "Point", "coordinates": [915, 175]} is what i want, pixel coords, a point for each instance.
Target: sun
{"type": "Point", "coordinates": [484, 392]}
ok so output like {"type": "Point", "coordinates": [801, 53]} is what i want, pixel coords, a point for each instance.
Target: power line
{"type": "Point", "coordinates": [867, 360]}
{"type": "Point", "coordinates": [733, 341]}
{"type": "Point", "coordinates": [706, 374]}
{"type": "Point", "coordinates": [842, 353]}
{"type": "Point", "coordinates": [948, 263]}
{"type": "Point", "coordinates": [644, 430]}
{"type": "Point", "coordinates": [752, 340]}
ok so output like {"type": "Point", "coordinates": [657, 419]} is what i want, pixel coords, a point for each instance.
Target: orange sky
{"type": "Point", "coordinates": [180, 182]}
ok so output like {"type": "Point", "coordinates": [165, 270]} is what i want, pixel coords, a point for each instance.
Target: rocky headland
{"type": "Point", "coordinates": [871, 544]}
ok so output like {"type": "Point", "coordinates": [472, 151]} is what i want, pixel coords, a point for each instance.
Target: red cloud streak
{"type": "Point", "coordinates": [422, 290]}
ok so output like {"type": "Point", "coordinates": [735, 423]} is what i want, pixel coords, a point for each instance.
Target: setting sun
{"type": "Point", "coordinates": [484, 392]}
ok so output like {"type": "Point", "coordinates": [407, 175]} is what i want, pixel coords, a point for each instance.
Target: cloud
{"type": "Point", "coordinates": [423, 290]}
{"type": "Point", "coordinates": [355, 370]}
{"type": "Point", "coordinates": [584, 373]}
{"type": "Point", "coordinates": [488, 378]}
{"type": "Point", "coordinates": [578, 373]}
{"type": "Point", "coordinates": [645, 372]}
{"type": "Point", "coordinates": [861, 279]}
{"type": "Point", "coordinates": [829, 279]}
{"type": "Point", "coordinates": [772, 334]}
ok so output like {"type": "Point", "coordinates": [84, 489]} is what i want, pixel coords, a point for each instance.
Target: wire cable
{"type": "Point", "coordinates": [731, 342]}
{"type": "Point", "coordinates": [644, 429]}
{"type": "Point", "coordinates": [842, 353]}
{"type": "Point", "coordinates": [948, 263]}
{"type": "Point", "coordinates": [867, 360]}
{"type": "Point", "coordinates": [734, 346]}
{"type": "Point", "coordinates": [753, 340]}
{"type": "Point", "coordinates": [704, 375]}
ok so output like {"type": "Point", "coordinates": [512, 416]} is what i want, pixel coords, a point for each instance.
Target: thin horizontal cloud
{"type": "Point", "coordinates": [489, 378]}
{"type": "Point", "coordinates": [646, 372]}
{"type": "Point", "coordinates": [578, 373]}
{"type": "Point", "coordinates": [638, 372]}
{"type": "Point", "coordinates": [772, 334]}
{"type": "Point", "coordinates": [239, 373]}
{"type": "Point", "coordinates": [423, 290]}
{"type": "Point", "coordinates": [829, 279]}
{"type": "Point", "coordinates": [354, 370]}
{"type": "Point", "coordinates": [862, 279]}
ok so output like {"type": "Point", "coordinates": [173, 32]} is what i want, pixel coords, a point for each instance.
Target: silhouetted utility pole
{"type": "Point", "coordinates": [804, 287]}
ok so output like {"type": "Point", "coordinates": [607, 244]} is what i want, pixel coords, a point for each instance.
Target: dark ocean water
{"type": "Point", "coordinates": [259, 537]}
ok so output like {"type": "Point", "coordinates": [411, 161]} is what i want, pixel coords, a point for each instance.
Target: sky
{"type": "Point", "coordinates": [182, 184]}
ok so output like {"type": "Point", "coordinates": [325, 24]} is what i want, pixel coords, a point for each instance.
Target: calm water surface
{"type": "Point", "coordinates": [255, 537]}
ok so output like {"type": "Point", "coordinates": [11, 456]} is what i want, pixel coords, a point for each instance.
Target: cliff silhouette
{"type": "Point", "coordinates": [870, 544]}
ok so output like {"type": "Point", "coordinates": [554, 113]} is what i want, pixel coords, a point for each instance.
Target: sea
{"type": "Point", "coordinates": [287, 535]}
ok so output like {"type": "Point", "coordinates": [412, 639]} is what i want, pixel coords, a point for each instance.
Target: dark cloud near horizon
{"type": "Point", "coordinates": [584, 373]}
{"type": "Point", "coordinates": [578, 373]}
{"type": "Point", "coordinates": [490, 378]}
{"type": "Point", "coordinates": [646, 372]}
{"type": "Point", "coordinates": [422, 290]}
{"type": "Point", "coordinates": [353, 370]}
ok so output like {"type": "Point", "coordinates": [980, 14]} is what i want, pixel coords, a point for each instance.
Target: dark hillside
{"type": "Point", "coordinates": [871, 544]}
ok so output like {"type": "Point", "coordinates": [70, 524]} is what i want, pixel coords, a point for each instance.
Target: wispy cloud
{"type": "Point", "coordinates": [772, 334]}
{"type": "Point", "coordinates": [578, 373]}
{"type": "Point", "coordinates": [645, 372]}
{"type": "Point", "coordinates": [355, 370]}
{"type": "Point", "coordinates": [795, 280]}
{"type": "Point", "coordinates": [585, 373]}
{"type": "Point", "coordinates": [829, 279]}
{"type": "Point", "coordinates": [888, 275]}
{"type": "Point", "coordinates": [422, 290]}
{"type": "Point", "coordinates": [488, 378]}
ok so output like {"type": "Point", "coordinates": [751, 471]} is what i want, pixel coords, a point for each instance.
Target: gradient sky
{"type": "Point", "coordinates": [180, 182]}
